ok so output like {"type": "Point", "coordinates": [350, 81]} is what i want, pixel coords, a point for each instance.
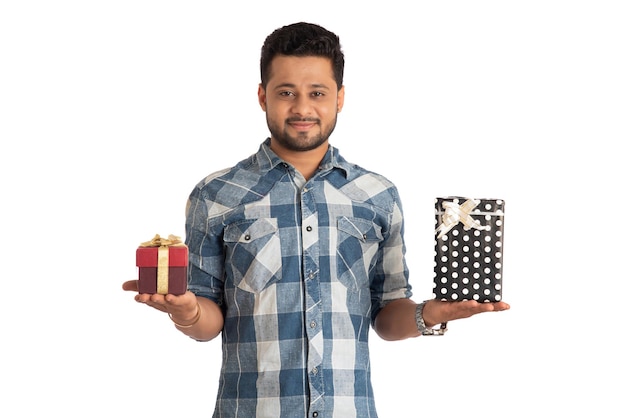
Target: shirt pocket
{"type": "Point", "coordinates": [357, 248]}
{"type": "Point", "coordinates": [253, 254]}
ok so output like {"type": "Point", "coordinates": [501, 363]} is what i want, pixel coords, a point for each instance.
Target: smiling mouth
{"type": "Point", "coordinates": [302, 124]}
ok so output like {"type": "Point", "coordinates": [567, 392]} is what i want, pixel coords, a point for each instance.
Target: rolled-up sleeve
{"type": "Point", "coordinates": [206, 258]}
{"type": "Point", "coordinates": [390, 279]}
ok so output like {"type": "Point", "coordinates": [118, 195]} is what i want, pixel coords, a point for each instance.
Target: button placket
{"type": "Point", "coordinates": [313, 311]}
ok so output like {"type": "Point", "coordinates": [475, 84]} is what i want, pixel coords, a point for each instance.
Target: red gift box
{"type": "Point", "coordinates": [162, 266]}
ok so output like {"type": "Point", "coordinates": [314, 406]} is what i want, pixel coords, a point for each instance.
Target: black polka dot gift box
{"type": "Point", "coordinates": [468, 249]}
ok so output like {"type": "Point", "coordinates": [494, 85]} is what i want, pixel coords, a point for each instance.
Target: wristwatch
{"type": "Point", "coordinates": [421, 325]}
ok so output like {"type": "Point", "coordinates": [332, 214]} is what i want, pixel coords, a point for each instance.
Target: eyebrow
{"type": "Point", "coordinates": [291, 85]}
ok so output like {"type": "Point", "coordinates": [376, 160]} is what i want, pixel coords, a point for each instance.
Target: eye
{"type": "Point", "coordinates": [317, 94]}
{"type": "Point", "coordinates": [286, 94]}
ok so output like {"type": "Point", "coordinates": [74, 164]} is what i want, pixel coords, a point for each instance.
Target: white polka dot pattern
{"type": "Point", "coordinates": [468, 255]}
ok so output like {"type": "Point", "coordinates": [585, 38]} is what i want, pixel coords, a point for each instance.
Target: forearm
{"type": "Point", "coordinates": [396, 321]}
{"type": "Point", "coordinates": [203, 323]}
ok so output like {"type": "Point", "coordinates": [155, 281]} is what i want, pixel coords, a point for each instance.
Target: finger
{"type": "Point", "coordinates": [131, 285]}
{"type": "Point", "coordinates": [493, 307]}
{"type": "Point", "coordinates": [172, 303]}
{"type": "Point", "coordinates": [157, 306]}
{"type": "Point", "coordinates": [155, 301]}
{"type": "Point", "coordinates": [501, 306]}
{"type": "Point", "coordinates": [187, 298]}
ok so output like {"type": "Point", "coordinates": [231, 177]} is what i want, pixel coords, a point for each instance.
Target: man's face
{"type": "Point", "coordinates": [301, 102]}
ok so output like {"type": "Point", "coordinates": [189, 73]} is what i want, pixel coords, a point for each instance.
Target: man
{"type": "Point", "coordinates": [294, 253]}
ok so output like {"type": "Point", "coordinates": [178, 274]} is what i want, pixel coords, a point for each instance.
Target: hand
{"type": "Point", "coordinates": [182, 306]}
{"type": "Point", "coordinates": [437, 311]}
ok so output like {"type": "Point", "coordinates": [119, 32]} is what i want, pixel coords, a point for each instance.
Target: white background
{"type": "Point", "coordinates": [110, 112]}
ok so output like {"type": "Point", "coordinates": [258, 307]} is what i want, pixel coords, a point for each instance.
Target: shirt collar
{"type": "Point", "coordinates": [268, 160]}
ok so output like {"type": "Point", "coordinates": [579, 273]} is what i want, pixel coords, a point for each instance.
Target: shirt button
{"type": "Point", "coordinates": [309, 228]}
{"type": "Point", "coordinates": [247, 237]}
{"type": "Point", "coordinates": [315, 414]}
{"type": "Point", "coordinates": [313, 324]}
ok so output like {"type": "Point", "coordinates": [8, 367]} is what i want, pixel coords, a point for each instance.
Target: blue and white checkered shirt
{"type": "Point", "coordinates": [300, 269]}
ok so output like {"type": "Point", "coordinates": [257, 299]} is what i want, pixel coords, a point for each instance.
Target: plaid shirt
{"type": "Point", "coordinates": [300, 269]}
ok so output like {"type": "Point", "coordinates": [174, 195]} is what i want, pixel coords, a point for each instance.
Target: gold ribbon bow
{"type": "Point", "coordinates": [157, 241]}
{"type": "Point", "coordinates": [456, 213]}
{"type": "Point", "coordinates": [163, 259]}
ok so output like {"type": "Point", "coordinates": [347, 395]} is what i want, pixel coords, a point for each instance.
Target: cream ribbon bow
{"type": "Point", "coordinates": [456, 213]}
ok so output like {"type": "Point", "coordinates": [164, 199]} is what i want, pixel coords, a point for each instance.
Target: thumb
{"type": "Point", "coordinates": [131, 285]}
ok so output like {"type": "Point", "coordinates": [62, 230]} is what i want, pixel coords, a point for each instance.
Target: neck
{"type": "Point", "coordinates": [306, 162]}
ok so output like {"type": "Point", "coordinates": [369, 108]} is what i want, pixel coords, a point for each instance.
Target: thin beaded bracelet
{"type": "Point", "coordinates": [195, 318]}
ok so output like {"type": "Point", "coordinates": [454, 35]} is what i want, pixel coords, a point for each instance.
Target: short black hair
{"type": "Point", "coordinates": [302, 40]}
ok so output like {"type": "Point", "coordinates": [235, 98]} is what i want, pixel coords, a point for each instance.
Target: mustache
{"type": "Point", "coordinates": [297, 119]}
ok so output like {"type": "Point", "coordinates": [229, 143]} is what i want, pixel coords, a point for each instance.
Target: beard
{"type": "Point", "coordinates": [304, 141]}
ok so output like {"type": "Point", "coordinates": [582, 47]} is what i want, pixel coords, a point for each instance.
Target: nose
{"type": "Point", "coordinates": [301, 106]}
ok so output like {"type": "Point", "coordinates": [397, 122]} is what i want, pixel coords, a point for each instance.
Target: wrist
{"type": "Point", "coordinates": [427, 315]}
{"type": "Point", "coordinates": [424, 326]}
{"type": "Point", "coordinates": [189, 322]}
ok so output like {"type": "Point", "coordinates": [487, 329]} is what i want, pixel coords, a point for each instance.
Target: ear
{"type": "Point", "coordinates": [262, 98]}
{"type": "Point", "coordinates": [340, 95]}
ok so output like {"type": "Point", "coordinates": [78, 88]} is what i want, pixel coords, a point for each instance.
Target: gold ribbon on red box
{"type": "Point", "coordinates": [163, 258]}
